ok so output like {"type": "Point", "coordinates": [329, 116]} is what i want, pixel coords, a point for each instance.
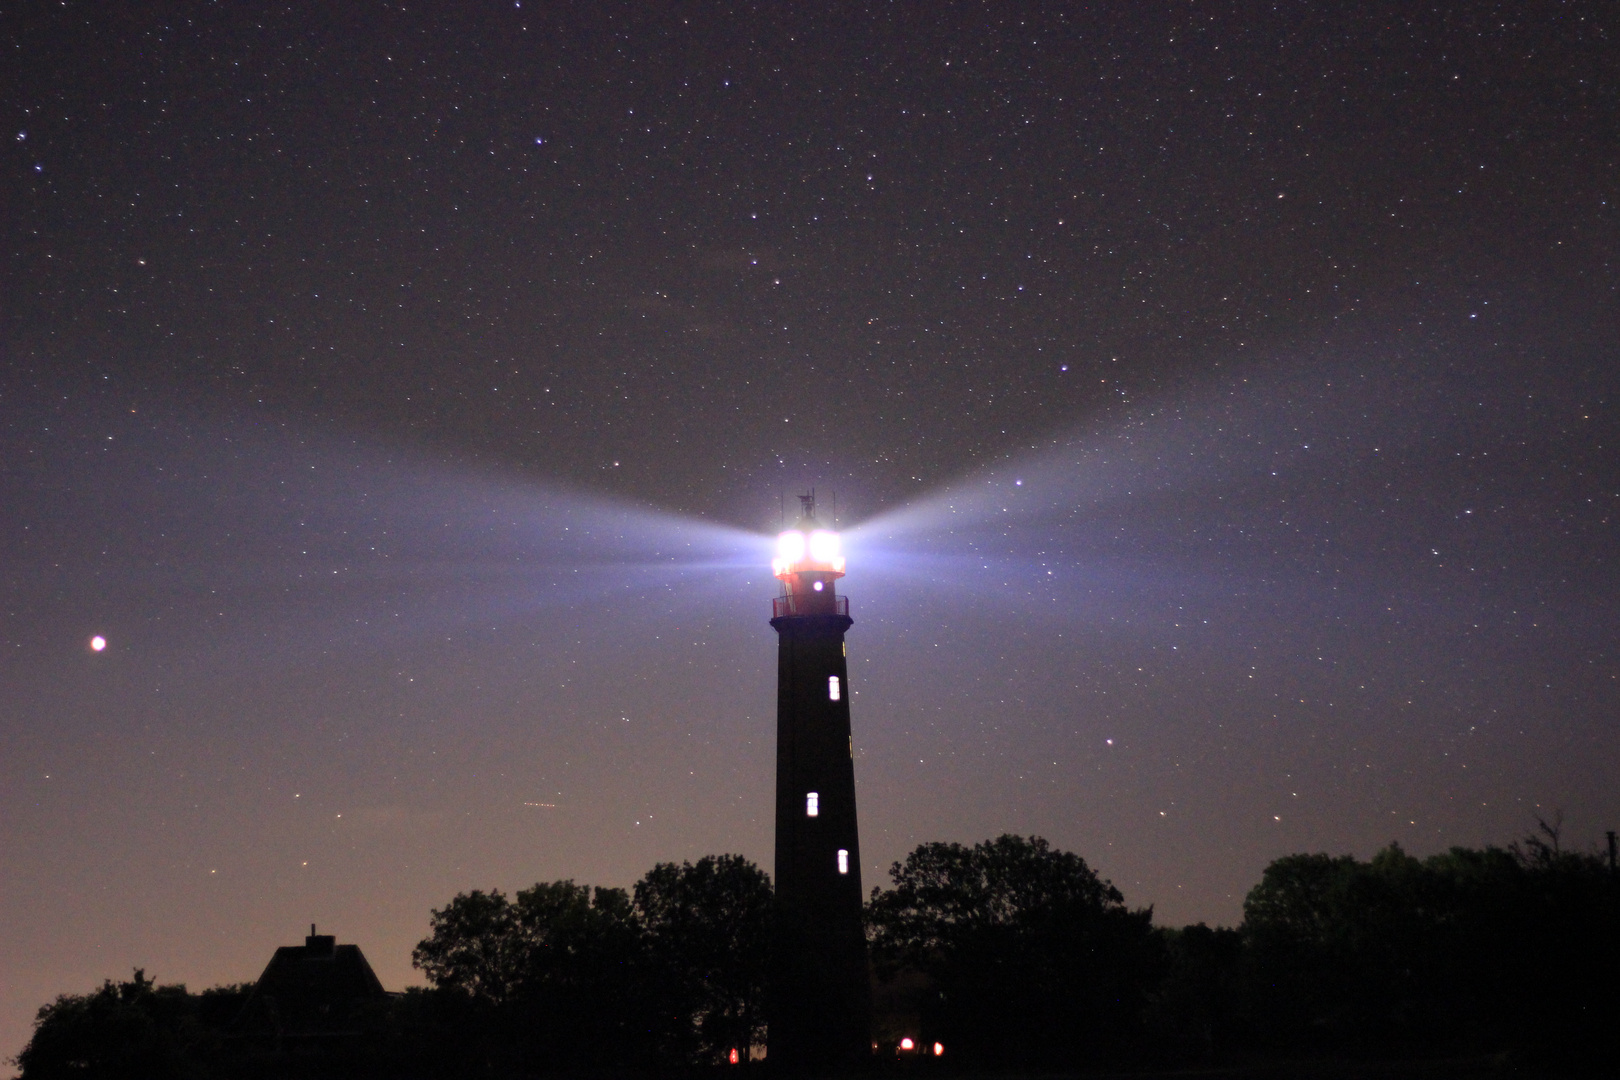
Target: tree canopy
{"type": "Point", "coordinates": [1463, 950]}
{"type": "Point", "coordinates": [584, 977]}
{"type": "Point", "coordinates": [708, 931]}
{"type": "Point", "coordinates": [1031, 958]}
{"type": "Point", "coordinates": [134, 1030]}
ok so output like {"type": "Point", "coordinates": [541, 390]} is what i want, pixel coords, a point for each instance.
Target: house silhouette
{"type": "Point", "coordinates": [313, 995]}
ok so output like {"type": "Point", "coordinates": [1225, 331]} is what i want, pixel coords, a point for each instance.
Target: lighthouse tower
{"type": "Point", "coordinates": [821, 995]}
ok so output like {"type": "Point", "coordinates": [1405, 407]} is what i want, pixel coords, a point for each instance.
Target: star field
{"type": "Point", "coordinates": [1219, 401]}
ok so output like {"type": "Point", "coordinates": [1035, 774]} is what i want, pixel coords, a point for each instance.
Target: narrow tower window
{"type": "Point", "coordinates": [833, 691]}
{"type": "Point", "coordinates": [843, 861]}
{"type": "Point", "coordinates": [812, 804]}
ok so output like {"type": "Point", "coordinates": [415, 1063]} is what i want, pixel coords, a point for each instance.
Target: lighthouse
{"type": "Point", "coordinates": [820, 999]}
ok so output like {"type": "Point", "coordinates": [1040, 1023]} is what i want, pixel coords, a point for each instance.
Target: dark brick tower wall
{"type": "Point", "coordinates": [821, 993]}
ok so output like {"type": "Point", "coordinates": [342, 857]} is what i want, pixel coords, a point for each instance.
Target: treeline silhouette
{"type": "Point", "coordinates": [1010, 955]}
{"type": "Point", "coordinates": [1022, 959]}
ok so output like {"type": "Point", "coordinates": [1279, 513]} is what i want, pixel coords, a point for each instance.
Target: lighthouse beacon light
{"type": "Point", "coordinates": [798, 552]}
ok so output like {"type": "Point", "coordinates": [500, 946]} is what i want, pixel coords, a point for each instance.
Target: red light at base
{"type": "Point", "coordinates": [939, 1048]}
{"type": "Point", "coordinates": [907, 1044]}
{"type": "Point", "coordinates": [734, 1058]}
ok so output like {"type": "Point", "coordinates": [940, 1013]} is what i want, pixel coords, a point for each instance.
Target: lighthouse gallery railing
{"type": "Point", "coordinates": [812, 604]}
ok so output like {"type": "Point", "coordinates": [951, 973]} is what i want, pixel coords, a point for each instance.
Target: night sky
{"type": "Point", "coordinates": [1219, 401]}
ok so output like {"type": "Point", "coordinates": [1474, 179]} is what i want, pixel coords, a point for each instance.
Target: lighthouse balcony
{"type": "Point", "coordinates": [809, 604]}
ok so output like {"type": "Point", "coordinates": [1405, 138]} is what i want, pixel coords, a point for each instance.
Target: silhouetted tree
{"type": "Point", "coordinates": [708, 927]}
{"type": "Point", "coordinates": [132, 1030]}
{"type": "Point", "coordinates": [1469, 950]}
{"type": "Point", "coordinates": [1195, 1010]}
{"type": "Point", "coordinates": [1033, 959]}
{"type": "Point", "coordinates": [1542, 850]}
{"type": "Point", "coordinates": [476, 947]}
{"type": "Point", "coordinates": [563, 976]}
{"type": "Point", "coordinates": [1336, 943]}
{"type": "Point", "coordinates": [564, 964]}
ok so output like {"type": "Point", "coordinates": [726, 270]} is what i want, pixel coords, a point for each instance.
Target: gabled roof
{"type": "Point", "coordinates": [315, 987]}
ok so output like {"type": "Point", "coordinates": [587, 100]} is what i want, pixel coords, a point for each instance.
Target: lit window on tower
{"type": "Point", "coordinates": [843, 861]}
{"type": "Point", "coordinates": [812, 804]}
{"type": "Point", "coordinates": [833, 690]}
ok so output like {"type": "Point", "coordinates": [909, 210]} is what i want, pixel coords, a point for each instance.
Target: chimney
{"type": "Point", "coordinates": [319, 945]}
